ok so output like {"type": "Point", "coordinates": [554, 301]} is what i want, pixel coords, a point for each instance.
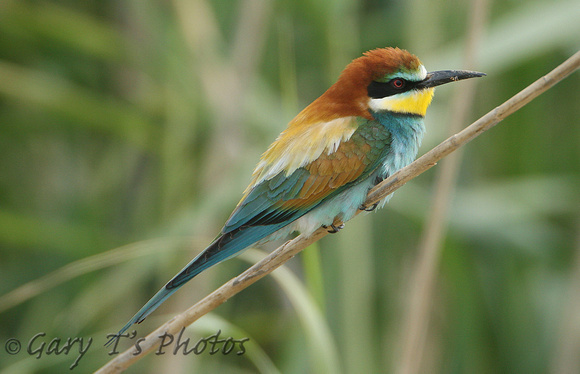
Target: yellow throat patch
{"type": "Point", "coordinates": [411, 102]}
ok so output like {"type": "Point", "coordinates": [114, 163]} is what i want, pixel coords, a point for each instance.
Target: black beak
{"type": "Point", "coordinates": [436, 78]}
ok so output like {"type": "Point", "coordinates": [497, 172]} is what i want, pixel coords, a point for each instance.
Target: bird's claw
{"type": "Point", "coordinates": [368, 208]}
{"type": "Point", "coordinates": [334, 228]}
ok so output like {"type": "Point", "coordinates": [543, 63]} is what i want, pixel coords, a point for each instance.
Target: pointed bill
{"type": "Point", "coordinates": [436, 78]}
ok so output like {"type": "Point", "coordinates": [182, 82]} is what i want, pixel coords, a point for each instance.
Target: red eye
{"type": "Point", "coordinates": [398, 83]}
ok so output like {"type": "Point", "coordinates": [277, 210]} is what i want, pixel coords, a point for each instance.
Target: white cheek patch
{"type": "Point", "coordinates": [383, 103]}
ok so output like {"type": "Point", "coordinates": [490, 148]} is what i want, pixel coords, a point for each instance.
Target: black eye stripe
{"type": "Point", "coordinates": [378, 90]}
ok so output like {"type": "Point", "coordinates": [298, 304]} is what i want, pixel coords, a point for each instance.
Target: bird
{"type": "Point", "coordinates": [318, 171]}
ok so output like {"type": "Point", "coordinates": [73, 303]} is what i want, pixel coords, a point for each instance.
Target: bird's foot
{"type": "Point", "coordinates": [334, 228]}
{"type": "Point", "coordinates": [368, 208]}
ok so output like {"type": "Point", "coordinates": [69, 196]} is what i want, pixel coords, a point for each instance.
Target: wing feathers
{"type": "Point", "coordinates": [286, 197]}
{"type": "Point", "coordinates": [300, 144]}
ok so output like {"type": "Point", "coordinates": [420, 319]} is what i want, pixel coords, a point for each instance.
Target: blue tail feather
{"type": "Point", "coordinates": [225, 246]}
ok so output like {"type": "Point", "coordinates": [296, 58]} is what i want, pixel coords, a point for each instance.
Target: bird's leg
{"type": "Point", "coordinates": [368, 208]}
{"type": "Point", "coordinates": [378, 179]}
{"type": "Point", "coordinates": [335, 226]}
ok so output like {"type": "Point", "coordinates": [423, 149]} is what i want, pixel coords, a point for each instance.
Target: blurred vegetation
{"type": "Point", "coordinates": [128, 131]}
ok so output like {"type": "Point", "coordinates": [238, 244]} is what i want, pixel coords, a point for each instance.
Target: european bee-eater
{"type": "Point", "coordinates": [362, 129]}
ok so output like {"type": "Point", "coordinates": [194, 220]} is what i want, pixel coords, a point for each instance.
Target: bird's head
{"type": "Point", "coordinates": [387, 79]}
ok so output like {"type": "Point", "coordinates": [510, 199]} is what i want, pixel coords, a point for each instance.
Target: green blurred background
{"type": "Point", "coordinates": [128, 131]}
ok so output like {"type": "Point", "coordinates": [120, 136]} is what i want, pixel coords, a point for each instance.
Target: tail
{"type": "Point", "coordinates": [225, 246]}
